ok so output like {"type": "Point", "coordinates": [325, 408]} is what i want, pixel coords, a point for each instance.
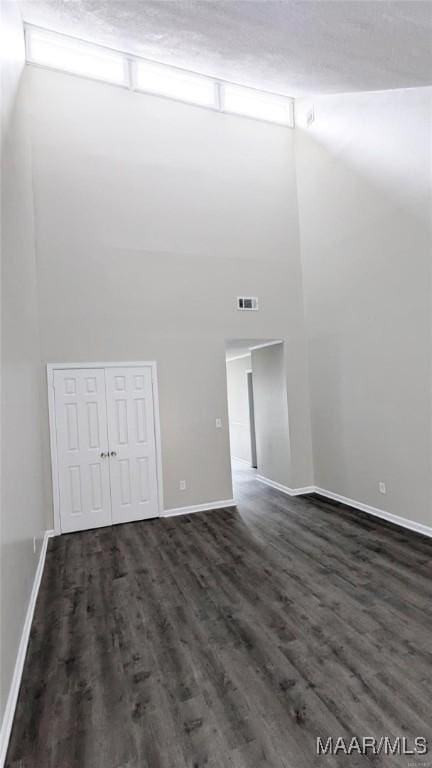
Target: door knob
{"type": "Point", "coordinates": [113, 453]}
{"type": "Point", "coordinates": [104, 455]}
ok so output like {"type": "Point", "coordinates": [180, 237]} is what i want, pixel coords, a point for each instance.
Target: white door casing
{"type": "Point", "coordinates": [82, 438]}
{"type": "Point", "coordinates": [131, 437]}
{"type": "Point", "coordinates": [110, 402]}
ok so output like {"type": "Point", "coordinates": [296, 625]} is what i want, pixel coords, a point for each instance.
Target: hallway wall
{"type": "Point", "coordinates": [238, 408]}
{"type": "Point", "coordinates": [271, 414]}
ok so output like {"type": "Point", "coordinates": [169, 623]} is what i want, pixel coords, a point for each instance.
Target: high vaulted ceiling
{"type": "Point", "coordinates": [291, 47]}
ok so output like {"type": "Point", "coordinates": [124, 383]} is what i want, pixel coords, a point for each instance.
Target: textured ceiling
{"type": "Point", "coordinates": [310, 46]}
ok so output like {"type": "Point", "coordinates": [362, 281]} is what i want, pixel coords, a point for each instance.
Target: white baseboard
{"type": "Point", "coordinates": [12, 699]}
{"type": "Point", "coordinates": [412, 525]}
{"type": "Point", "coordinates": [284, 488]}
{"type": "Point", "coordinates": [403, 522]}
{"type": "Point", "coordinates": [208, 507]}
{"type": "Point", "coordinates": [243, 461]}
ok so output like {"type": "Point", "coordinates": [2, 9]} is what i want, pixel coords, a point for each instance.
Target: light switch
{"type": "Point", "coordinates": [218, 423]}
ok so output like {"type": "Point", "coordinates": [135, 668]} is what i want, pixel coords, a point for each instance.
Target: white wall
{"type": "Point", "coordinates": [271, 414]}
{"type": "Point", "coordinates": [22, 496]}
{"type": "Point", "coordinates": [238, 408]}
{"type": "Point", "coordinates": [364, 179]}
{"type": "Point", "coordinates": [151, 218]}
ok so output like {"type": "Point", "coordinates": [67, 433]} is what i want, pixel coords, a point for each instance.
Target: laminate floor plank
{"type": "Point", "coordinates": [229, 639]}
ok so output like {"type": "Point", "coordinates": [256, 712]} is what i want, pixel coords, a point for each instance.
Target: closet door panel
{"type": "Point", "coordinates": [82, 436]}
{"type": "Point", "coordinates": [132, 445]}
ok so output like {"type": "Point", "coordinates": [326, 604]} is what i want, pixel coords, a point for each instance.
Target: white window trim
{"type": "Point", "coordinates": [130, 79]}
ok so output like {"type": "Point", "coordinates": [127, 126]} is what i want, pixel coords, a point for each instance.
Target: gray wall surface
{"type": "Point", "coordinates": [271, 414]}
{"type": "Point", "coordinates": [22, 500]}
{"type": "Point", "coordinates": [364, 186]}
{"type": "Point", "coordinates": [151, 218]}
{"type": "Point", "coordinates": [238, 408]}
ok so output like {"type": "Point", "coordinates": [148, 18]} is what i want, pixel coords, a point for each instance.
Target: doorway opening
{"type": "Point", "coordinates": [258, 410]}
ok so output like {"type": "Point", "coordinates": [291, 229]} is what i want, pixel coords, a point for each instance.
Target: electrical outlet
{"type": "Point", "coordinates": [34, 543]}
{"type": "Point", "coordinates": [382, 487]}
{"type": "Point", "coordinates": [182, 485]}
{"type": "Point", "coordinates": [218, 423]}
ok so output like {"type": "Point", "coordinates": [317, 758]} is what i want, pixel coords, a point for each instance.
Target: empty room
{"type": "Point", "coordinates": [216, 384]}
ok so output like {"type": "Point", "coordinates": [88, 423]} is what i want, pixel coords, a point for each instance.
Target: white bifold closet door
{"type": "Point", "coordinates": [131, 438]}
{"type": "Point", "coordinates": [106, 448]}
{"type": "Point", "coordinates": [82, 436]}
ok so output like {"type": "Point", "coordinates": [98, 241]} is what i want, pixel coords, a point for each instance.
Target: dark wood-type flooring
{"type": "Point", "coordinates": [228, 639]}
